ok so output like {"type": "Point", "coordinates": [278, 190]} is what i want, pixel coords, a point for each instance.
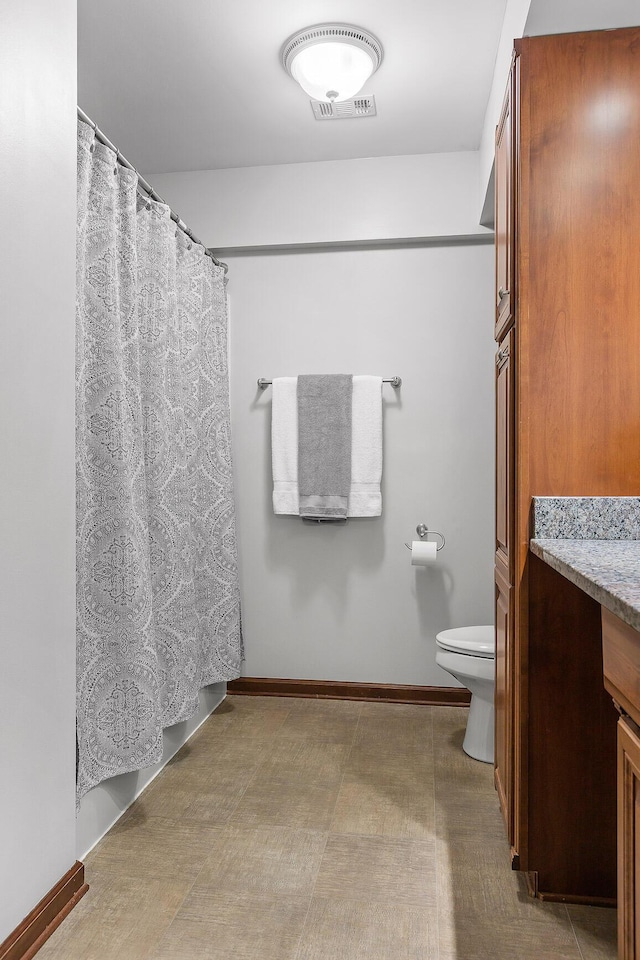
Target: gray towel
{"type": "Point", "coordinates": [324, 445]}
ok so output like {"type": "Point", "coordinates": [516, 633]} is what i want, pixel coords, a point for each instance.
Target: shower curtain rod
{"type": "Point", "coordinates": [147, 187]}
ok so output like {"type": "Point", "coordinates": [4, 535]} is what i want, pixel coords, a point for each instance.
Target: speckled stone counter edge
{"type": "Point", "coordinates": [586, 518]}
{"type": "Point", "coordinates": [607, 570]}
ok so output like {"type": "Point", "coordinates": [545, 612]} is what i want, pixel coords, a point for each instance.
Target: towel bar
{"type": "Point", "coordinates": [394, 381]}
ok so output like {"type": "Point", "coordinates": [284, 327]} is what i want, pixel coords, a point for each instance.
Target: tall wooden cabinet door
{"type": "Point", "coordinates": [505, 454]}
{"type": "Point", "coordinates": [503, 764]}
{"type": "Point", "coordinates": [504, 217]}
{"type": "Point", "coordinates": [628, 842]}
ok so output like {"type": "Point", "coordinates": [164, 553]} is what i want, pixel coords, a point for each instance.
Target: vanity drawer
{"type": "Point", "coordinates": [621, 663]}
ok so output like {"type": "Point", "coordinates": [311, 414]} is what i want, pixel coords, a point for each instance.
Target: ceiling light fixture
{"type": "Point", "coordinates": [332, 61]}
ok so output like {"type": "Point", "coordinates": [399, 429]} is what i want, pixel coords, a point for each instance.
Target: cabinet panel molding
{"type": "Point", "coordinates": [505, 453]}
{"type": "Point", "coordinates": [628, 840]}
{"type": "Point", "coordinates": [503, 768]}
{"type": "Point", "coordinates": [504, 214]}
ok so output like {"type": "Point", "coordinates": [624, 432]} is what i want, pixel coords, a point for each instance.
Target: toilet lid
{"type": "Point", "coordinates": [473, 641]}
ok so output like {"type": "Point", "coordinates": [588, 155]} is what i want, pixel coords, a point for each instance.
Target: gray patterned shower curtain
{"type": "Point", "coordinates": [158, 612]}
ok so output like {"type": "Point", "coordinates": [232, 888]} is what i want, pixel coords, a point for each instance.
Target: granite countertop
{"type": "Point", "coordinates": [607, 570]}
{"type": "Point", "coordinates": [595, 543]}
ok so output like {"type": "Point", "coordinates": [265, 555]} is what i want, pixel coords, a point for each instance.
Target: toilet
{"type": "Point", "coordinates": [468, 654]}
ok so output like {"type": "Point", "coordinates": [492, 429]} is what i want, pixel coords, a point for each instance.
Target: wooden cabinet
{"type": "Point", "coordinates": [567, 415]}
{"type": "Point", "coordinates": [504, 214]}
{"type": "Point", "coordinates": [504, 552]}
{"type": "Point", "coordinates": [505, 454]}
{"type": "Point", "coordinates": [503, 713]}
{"type": "Point", "coordinates": [621, 663]}
{"type": "Point", "coordinates": [628, 840]}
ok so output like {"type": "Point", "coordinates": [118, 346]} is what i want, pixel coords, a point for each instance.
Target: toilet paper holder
{"type": "Point", "coordinates": [423, 530]}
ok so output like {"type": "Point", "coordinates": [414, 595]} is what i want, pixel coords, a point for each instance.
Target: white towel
{"type": "Point", "coordinates": [365, 499]}
{"type": "Point", "coordinates": [284, 445]}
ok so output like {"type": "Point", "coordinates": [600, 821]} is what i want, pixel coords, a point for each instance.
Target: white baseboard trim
{"type": "Point", "coordinates": [105, 804]}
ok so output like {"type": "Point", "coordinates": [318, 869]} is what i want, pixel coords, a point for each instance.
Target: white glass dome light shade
{"type": "Point", "coordinates": [332, 71]}
{"type": "Point", "coordinates": [332, 61]}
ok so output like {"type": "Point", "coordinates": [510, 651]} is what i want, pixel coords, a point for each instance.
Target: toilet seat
{"type": "Point", "coordinates": [471, 641]}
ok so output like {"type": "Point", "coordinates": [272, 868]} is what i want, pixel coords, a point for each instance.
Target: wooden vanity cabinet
{"type": "Point", "coordinates": [567, 414]}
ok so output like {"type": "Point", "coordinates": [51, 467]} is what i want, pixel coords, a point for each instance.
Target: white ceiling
{"type": "Point", "coordinates": [197, 84]}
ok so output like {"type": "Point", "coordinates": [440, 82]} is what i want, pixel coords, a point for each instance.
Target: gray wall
{"type": "Point", "coordinates": [531, 18]}
{"type": "Point", "coordinates": [329, 201]}
{"type": "Point", "coordinates": [570, 16]}
{"type": "Point", "coordinates": [343, 602]}
{"type": "Point", "coordinates": [37, 521]}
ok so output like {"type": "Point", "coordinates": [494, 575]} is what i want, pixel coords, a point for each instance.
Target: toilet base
{"type": "Point", "coordinates": [478, 739]}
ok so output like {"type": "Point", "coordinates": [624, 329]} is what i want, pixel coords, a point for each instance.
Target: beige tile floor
{"type": "Point", "coordinates": [319, 830]}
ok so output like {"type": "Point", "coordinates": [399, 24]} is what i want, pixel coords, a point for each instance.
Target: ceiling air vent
{"type": "Point", "coordinates": [345, 110]}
